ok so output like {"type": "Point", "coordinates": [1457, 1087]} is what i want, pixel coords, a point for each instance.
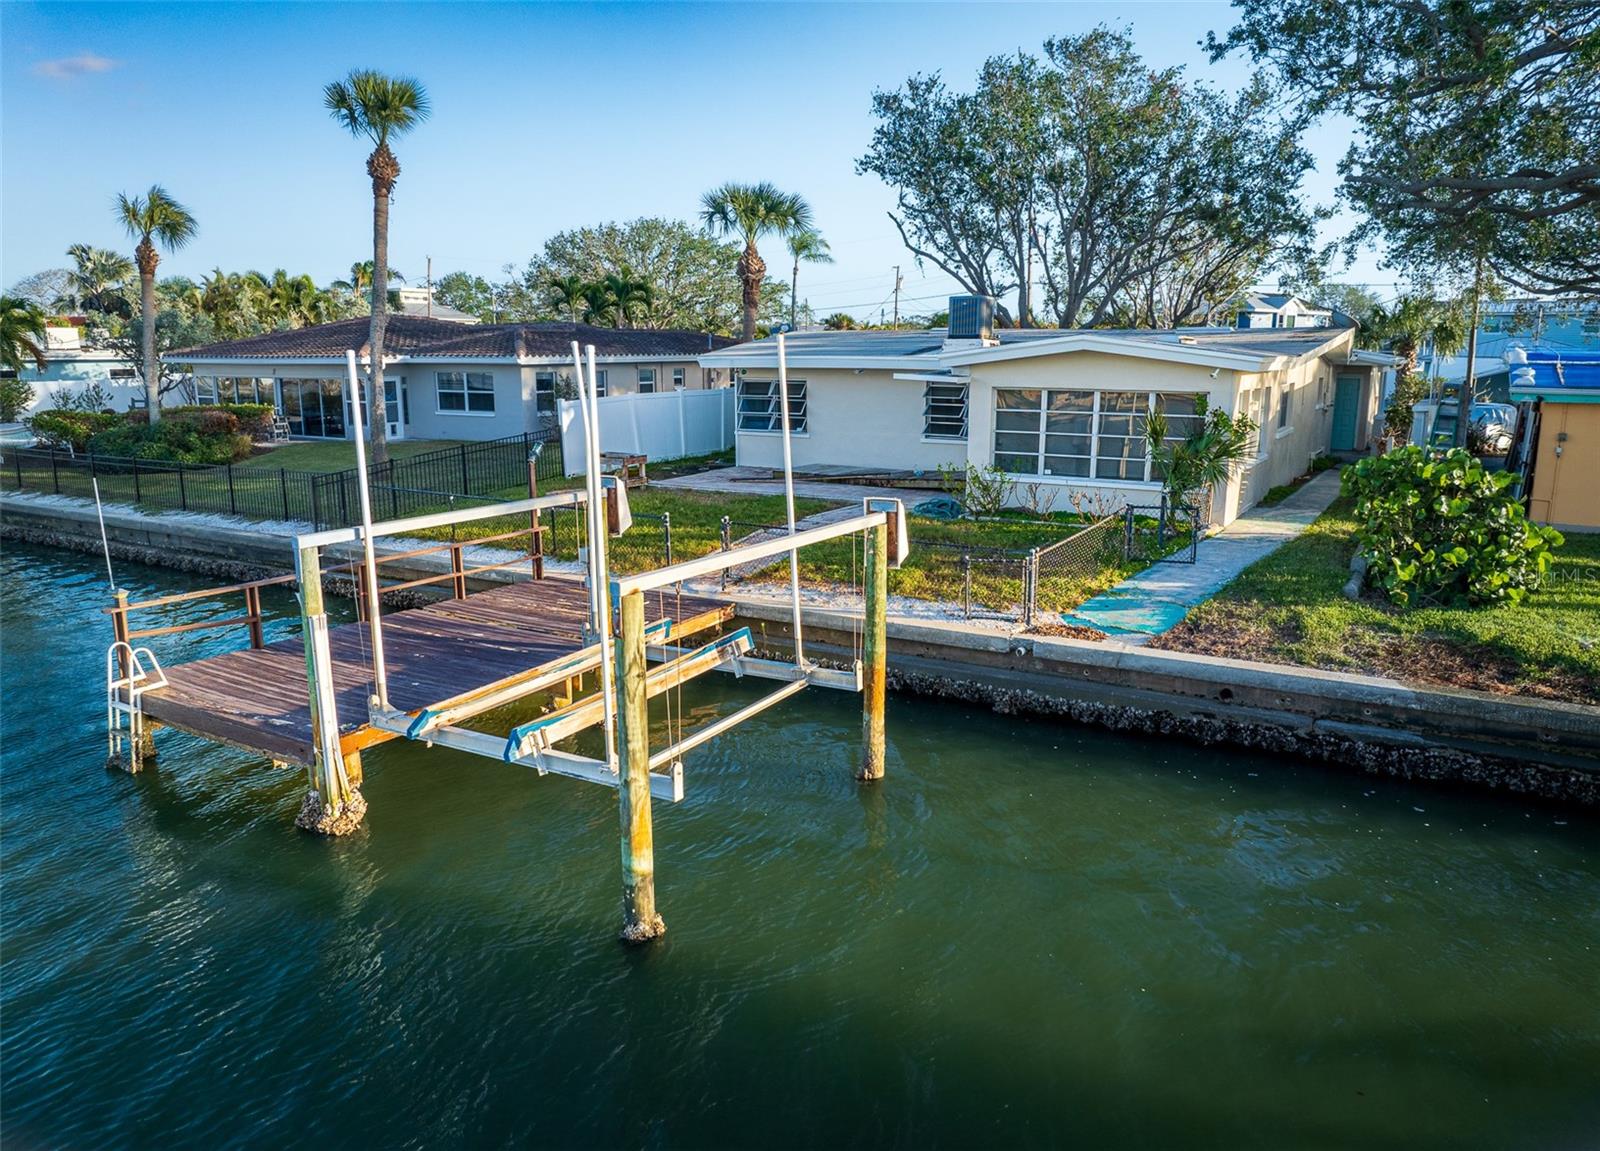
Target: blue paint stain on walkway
{"type": "Point", "coordinates": [1157, 599]}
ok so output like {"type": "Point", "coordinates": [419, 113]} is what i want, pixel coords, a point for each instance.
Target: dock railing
{"type": "Point", "coordinates": [251, 620]}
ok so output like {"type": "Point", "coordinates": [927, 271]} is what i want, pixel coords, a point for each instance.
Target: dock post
{"type": "Point", "coordinates": [333, 804]}
{"type": "Point", "coordinates": [875, 653]}
{"type": "Point", "coordinates": [640, 923]}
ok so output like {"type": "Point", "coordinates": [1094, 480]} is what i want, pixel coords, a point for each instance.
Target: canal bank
{"type": "Point", "coordinates": [1369, 724]}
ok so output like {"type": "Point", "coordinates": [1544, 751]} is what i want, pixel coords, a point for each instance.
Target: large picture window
{"type": "Point", "coordinates": [1084, 434]}
{"type": "Point", "coordinates": [944, 411]}
{"type": "Point", "coordinates": [760, 409]}
{"type": "Point", "coordinates": [470, 392]}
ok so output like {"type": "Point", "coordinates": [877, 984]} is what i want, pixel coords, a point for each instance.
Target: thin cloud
{"type": "Point", "coordinates": [68, 67]}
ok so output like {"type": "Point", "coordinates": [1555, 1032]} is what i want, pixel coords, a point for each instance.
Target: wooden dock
{"type": "Point", "coordinates": [257, 700]}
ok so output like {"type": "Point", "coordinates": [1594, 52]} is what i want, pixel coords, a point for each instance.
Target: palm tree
{"type": "Point", "coordinates": [372, 105]}
{"type": "Point", "coordinates": [749, 212]}
{"type": "Point", "coordinates": [361, 277]}
{"type": "Point", "coordinates": [599, 307]}
{"type": "Point", "coordinates": [628, 291]}
{"type": "Point", "coordinates": [1412, 321]}
{"type": "Point", "coordinates": [154, 218]}
{"type": "Point", "coordinates": [567, 293]}
{"type": "Point", "coordinates": [98, 281]}
{"type": "Point", "coordinates": [813, 249]}
{"type": "Point", "coordinates": [21, 334]}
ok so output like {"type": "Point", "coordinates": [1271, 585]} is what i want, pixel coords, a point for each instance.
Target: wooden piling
{"type": "Point", "coordinates": [640, 923]}
{"type": "Point", "coordinates": [875, 653]}
{"type": "Point", "coordinates": [333, 806]}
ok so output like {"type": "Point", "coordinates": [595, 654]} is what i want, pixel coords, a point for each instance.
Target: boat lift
{"type": "Point", "coordinates": [618, 648]}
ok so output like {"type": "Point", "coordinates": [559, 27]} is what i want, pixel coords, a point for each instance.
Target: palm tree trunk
{"type": "Point", "coordinates": [379, 421]}
{"type": "Point", "coordinates": [751, 272]}
{"type": "Point", "coordinates": [794, 291]}
{"type": "Point", "coordinates": [147, 315]}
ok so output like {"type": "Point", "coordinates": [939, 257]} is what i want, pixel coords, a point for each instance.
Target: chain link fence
{"type": "Point", "coordinates": [1162, 533]}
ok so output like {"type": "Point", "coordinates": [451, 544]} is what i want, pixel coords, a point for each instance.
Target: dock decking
{"type": "Point", "coordinates": [257, 699]}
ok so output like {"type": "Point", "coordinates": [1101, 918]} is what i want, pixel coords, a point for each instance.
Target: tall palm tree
{"type": "Point", "coordinates": [21, 334]}
{"type": "Point", "coordinates": [813, 249]}
{"type": "Point", "coordinates": [98, 281]}
{"type": "Point", "coordinates": [749, 212]}
{"type": "Point", "coordinates": [567, 293]}
{"type": "Point", "coordinates": [372, 105]}
{"type": "Point", "coordinates": [631, 296]}
{"type": "Point", "coordinates": [154, 218]}
{"type": "Point", "coordinates": [599, 306]}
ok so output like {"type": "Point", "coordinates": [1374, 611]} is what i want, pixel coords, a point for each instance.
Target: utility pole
{"type": "Point", "coordinates": [430, 287]}
{"type": "Point", "coordinates": [1464, 399]}
{"type": "Point", "coordinates": [896, 296]}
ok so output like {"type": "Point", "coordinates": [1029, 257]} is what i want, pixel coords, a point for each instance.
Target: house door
{"type": "Point", "coordinates": [1346, 401]}
{"type": "Point", "coordinates": [394, 407]}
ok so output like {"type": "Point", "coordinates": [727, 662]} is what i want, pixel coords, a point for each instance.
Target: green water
{"type": "Point", "coordinates": [1028, 935]}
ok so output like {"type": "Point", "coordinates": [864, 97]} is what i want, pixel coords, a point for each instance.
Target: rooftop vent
{"type": "Point", "coordinates": [971, 318]}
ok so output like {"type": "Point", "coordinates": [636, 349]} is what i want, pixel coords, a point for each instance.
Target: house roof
{"type": "Point", "coordinates": [1277, 301]}
{"type": "Point", "coordinates": [925, 350]}
{"type": "Point", "coordinates": [421, 338]}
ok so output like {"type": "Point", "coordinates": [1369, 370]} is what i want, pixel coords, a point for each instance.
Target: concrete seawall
{"type": "Point", "coordinates": [1365, 723]}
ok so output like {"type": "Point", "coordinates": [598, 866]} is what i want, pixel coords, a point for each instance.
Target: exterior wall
{"type": "Point", "coordinates": [870, 420]}
{"type": "Point", "coordinates": [65, 375]}
{"type": "Point", "coordinates": [1287, 451]}
{"type": "Point", "coordinates": [1566, 487]}
{"type": "Point", "coordinates": [623, 378]}
{"type": "Point", "coordinates": [1094, 371]}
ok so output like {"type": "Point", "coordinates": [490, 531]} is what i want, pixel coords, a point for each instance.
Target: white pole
{"type": "Point", "coordinates": [380, 678]}
{"type": "Point", "coordinates": [591, 488]}
{"type": "Point", "coordinates": [788, 498]}
{"type": "Point", "coordinates": [598, 558]}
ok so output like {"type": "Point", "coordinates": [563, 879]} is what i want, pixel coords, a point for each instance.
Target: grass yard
{"type": "Point", "coordinates": [1290, 608]}
{"type": "Point", "coordinates": [332, 455]}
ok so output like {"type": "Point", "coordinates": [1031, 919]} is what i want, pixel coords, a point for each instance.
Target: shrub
{"type": "Point", "coordinates": [254, 420]}
{"type": "Point", "coordinates": [69, 427]}
{"type": "Point", "coordinates": [983, 491]}
{"type": "Point", "coordinates": [15, 395]}
{"type": "Point", "coordinates": [207, 436]}
{"type": "Point", "coordinates": [1438, 528]}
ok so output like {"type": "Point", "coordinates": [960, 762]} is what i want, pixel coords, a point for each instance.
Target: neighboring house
{"type": "Point", "coordinates": [1557, 327]}
{"type": "Point", "coordinates": [1060, 409]}
{"type": "Point", "coordinates": [1558, 434]}
{"type": "Point", "coordinates": [1260, 310]}
{"type": "Point", "coordinates": [420, 302]}
{"type": "Point", "coordinates": [71, 367]}
{"type": "Point", "coordinates": [442, 380]}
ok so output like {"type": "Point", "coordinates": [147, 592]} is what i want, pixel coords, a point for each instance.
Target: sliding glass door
{"type": "Point", "coordinates": [314, 408]}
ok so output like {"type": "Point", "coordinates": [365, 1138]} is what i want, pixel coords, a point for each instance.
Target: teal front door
{"type": "Point", "coordinates": [1346, 399]}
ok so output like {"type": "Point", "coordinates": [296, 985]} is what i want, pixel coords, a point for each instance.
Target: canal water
{"type": "Point", "coordinates": [1028, 935]}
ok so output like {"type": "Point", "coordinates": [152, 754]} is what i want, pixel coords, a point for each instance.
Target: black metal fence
{"type": "Point", "coordinates": [401, 486]}
{"type": "Point", "coordinates": [252, 491]}
{"type": "Point", "coordinates": [258, 493]}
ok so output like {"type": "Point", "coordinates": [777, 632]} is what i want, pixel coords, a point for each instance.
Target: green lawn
{"type": "Point", "coordinates": [333, 455]}
{"type": "Point", "coordinates": [1290, 608]}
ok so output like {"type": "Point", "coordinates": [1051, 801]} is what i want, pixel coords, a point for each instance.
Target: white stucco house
{"type": "Point", "coordinates": [1059, 408]}
{"type": "Point", "coordinates": [71, 367]}
{"type": "Point", "coordinates": [443, 379]}
{"type": "Point", "coordinates": [1273, 310]}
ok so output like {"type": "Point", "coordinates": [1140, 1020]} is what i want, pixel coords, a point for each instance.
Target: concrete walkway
{"type": "Point", "coordinates": [1158, 598]}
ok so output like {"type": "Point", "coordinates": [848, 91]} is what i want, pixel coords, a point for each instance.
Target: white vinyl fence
{"type": "Point", "coordinates": [660, 425]}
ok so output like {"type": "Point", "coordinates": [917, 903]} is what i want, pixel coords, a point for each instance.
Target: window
{"type": "Point", "coordinates": [1283, 410]}
{"type": "Point", "coordinates": [679, 378]}
{"type": "Point", "coordinates": [122, 373]}
{"type": "Point", "coordinates": [205, 391]}
{"type": "Point", "coordinates": [544, 391]}
{"type": "Point", "coordinates": [944, 411]}
{"type": "Point", "coordinates": [1084, 434]}
{"type": "Point", "coordinates": [469, 392]}
{"type": "Point", "coordinates": [761, 409]}
{"type": "Point", "coordinates": [647, 380]}
{"type": "Point", "coordinates": [1256, 403]}
{"type": "Point", "coordinates": [599, 381]}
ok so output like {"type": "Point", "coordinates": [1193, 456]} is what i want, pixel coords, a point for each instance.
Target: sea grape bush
{"type": "Point", "coordinates": [1437, 528]}
{"type": "Point", "coordinates": [69, 427]}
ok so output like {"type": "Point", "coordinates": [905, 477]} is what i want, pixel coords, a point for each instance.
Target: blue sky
{"type": "Point", "coordinates": [545, 117]}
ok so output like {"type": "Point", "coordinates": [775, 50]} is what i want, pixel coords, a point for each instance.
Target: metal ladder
{"type": "Point", "coordinates": [125, 716]}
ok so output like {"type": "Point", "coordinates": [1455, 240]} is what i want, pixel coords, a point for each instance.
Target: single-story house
{"type": "Point", "coordinates": [1559, 402]}
{"type": "Point", "coordinates": [1062, 409]}
{"type": "Point", "coordinates": [71, 367]}
{"type": "Point", "coordinates": [442, 379]}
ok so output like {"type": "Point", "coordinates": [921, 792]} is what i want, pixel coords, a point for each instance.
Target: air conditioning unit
{"type": "Point", "coordinates": [971, 318]}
